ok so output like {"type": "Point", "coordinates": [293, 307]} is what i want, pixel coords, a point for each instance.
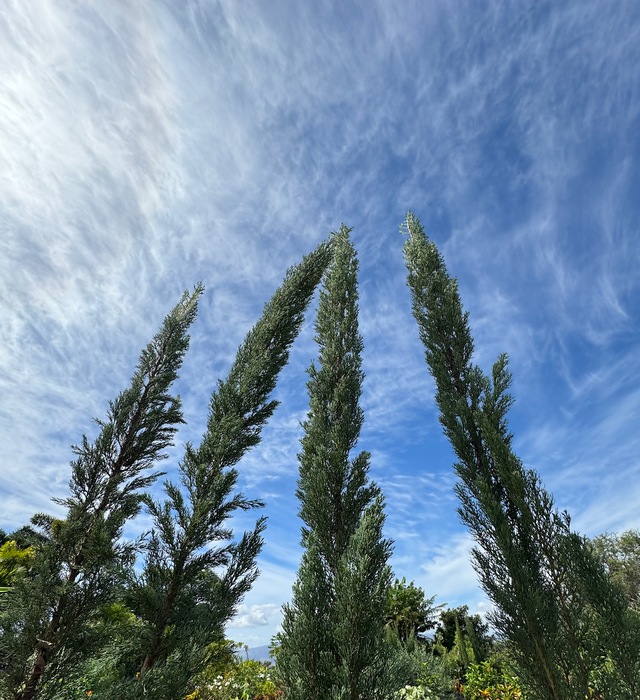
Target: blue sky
{"type": "Point", "coordinates": [145, 146]}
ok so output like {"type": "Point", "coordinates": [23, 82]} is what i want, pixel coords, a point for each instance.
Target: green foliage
{"type": "Point", "coordinates": [552, 598]}
{"type": "Point", "coordinates": [47, 623]}
{"type": "Point", "coordinates": [412, 664]}
{"type": "Point", "coordinates": [487, 680]}
{"type": "Point", "coordinates": [407, 610]}
{"type": "Point", "coordinates": [305, 654]}
{"type": "Point", "coordinates": [472, 627]}
{"type": "Point", "coordinates": [454, 649]}
{"type": "Point", "coordinates": [462, 648]}
{"type": "Point", "coordinates": [24, 537]}
{"type": "Point", "coordinates": [419, 672]}
{"type": "Point", "coordinates": [334, 490]}
{"type": "Point", "coordinates": [195, 576]}
{"type": "Point", "coordinates": [332, 644]}
{"type": "Point", "coordinates": [361, 584]}
{"type": "Point", "coordinates": [62, 622]}
{"type": "Point", "coordinates": [246, 680]}
{"type": "Point", "coordinates": [479, 647]}
{"type": "Point", "coordinates": [14, 561]}
{"type": "Point", "coordinates": [76, 621]}
{"type": "Point", "coordinates": [621, 554]}
{"type": "Point", "coordinates": [440, 674]}
{"type": "Point", "coordinates": [97, 666]}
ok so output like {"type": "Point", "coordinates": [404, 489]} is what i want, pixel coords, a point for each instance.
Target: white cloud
{"type": "Point", "coordinates": [255, 616]}
{"type": "Point", "coordinates": [448, 571]}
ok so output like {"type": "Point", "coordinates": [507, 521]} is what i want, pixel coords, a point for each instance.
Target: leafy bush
{"type": "Point", "coordinates": [439, 675]}
{"type": "Point", "coordinates": [486, 681]}
{"type": "Point", "coordinates": [412, 692]}
{"type": "Point", "coordinates": [246, 680]}
{"type": "Point", "coordinates": [406, 660]}
{"type": "Point", "coordinates": [14, 561]}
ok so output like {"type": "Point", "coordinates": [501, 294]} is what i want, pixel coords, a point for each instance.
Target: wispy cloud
{"type": "Point", "coordinates": [449, 572]}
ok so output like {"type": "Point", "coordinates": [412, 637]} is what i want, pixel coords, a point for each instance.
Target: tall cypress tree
{"type": "Point", "coordinates": [553, 601]}
{"type": "Point", "coordinates": [334, 627]}
{"type": "Point", "coordinates": [45, 622]}
{"type": "Point", "coordinates": [306, 658]}
{"type": "Point", "coordinates": [195, 576]}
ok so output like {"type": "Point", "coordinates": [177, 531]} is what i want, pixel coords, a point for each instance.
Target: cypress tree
{"type": "Point", "coordinates": [479, 654]}
{"type": "Point", "coordinates": [361, 586]}
{"type": "Point", "coordinates": [334, 627]}
{"type": "Point", "coordinates": [45, 621]}
{"type": "Point", "coordinates": [461, 648]}
{"type": "Point", "coordinates": [195, 576]}
{"type": "Point", "coordinates": [553, 601]}
{"type": "Point", "coordinates": [306, 655]}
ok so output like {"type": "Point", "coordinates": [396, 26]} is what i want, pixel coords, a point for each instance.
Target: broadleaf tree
{"type": "Point", "coordinates": [408, 612]}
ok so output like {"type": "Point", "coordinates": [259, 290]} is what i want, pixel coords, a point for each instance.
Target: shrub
{"type": "Point", "coordinates": [486, 681]}
{"type": "Point", "coordinates": [246, 680]}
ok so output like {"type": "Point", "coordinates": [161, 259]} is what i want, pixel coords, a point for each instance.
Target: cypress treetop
{"type": "Point", "coordinates": [333, 488]}
{"type": "Point", "coordinates": [553, 602]}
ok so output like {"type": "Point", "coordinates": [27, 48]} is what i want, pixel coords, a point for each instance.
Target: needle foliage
{"type": "Point", "coordinates": [47, 620]}
{"type": "Point", "coordinates": [568, 626]}
{"type": "Point", "coordinates": [195, 575]}
{"type": "Point", "coordinates": [333, 630]}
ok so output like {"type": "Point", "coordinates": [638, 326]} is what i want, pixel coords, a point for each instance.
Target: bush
{"type": "Point", "coordinates": [246, 680]}
{"type": "Point", "coordinates": [486, 681]}
{"type": "Point", "coordinates": [412, 692]}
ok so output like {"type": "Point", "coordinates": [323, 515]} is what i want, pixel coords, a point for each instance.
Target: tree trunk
{"type": "Point", "coordinates": [152, 654]}
{"type": "Point", "coordinates": [31, 686]}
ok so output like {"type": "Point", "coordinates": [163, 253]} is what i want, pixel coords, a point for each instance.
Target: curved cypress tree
{"type": "Point", "coordinates": [334, 626]}
{"type": "Point", "coordinates": [195, 575]}
{"type": "Point", "coordinates": [46, 620]}
{"type": "Point", "coordinates": [554, 604]}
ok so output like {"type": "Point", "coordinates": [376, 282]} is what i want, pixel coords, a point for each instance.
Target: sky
{"type": "Point", "coordinates": [146, 145]}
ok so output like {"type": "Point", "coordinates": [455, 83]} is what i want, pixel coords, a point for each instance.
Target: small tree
{"type": "Point", "coordinates": [408, 611]}
{"type": "Point", "coordinates": [451, 618]}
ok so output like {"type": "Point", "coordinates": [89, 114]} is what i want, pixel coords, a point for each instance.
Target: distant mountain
{"type": "Point", "coordinates": [259, 654]}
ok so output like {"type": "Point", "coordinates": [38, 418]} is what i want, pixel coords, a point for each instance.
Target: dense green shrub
{"type": "Point", "coordinates": [244, 680]}
{"type": "Point", "coordinates": [488, 680]}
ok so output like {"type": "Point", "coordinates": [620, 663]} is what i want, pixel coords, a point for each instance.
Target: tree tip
{"type": "Point", "coordinates": [409, 223]}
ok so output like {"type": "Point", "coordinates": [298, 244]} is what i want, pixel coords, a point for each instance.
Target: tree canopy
{"type": "Point", "coordinates": [408, 611]}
